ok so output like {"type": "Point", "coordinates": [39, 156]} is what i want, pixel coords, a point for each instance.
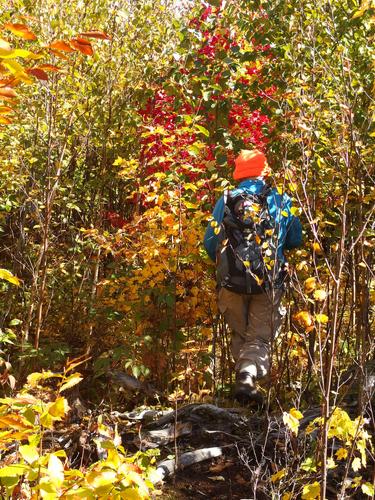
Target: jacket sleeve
{"type": "Point", "coordinates": [210, 238]}
{"type": "Point", "coordinates": [294, 233]}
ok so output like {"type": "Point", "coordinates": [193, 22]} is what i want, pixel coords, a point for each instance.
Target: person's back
{"type": "Point", "coordinates": [249, 299]}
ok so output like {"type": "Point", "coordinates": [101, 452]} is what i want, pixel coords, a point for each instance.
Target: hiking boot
{"type": "Point", "coordinates": [245, 391]}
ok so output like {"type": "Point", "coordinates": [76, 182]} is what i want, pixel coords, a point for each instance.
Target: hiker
{"type": "Point", "coordinates": [251, 227]}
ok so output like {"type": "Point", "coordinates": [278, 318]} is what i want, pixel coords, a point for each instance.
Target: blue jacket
{"type": "Point", "coordinates": [289, 226]}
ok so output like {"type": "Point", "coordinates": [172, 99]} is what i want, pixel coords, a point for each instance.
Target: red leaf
{"type": "Point", "coordinates": [96, 34]}
{"type": "Point", "coordinates": [61, 45]}
{"type": "Point", "coordinates": [82, 45]}
{"type": "Point", "coordinates": [20, 30]}
{"type": "Point", "coordinates": [7, 92]}
{"type": "Point", "coordinates": [38, 73]}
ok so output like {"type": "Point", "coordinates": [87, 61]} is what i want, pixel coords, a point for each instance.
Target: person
{"type": "Point", "coordinates": [252, 311]}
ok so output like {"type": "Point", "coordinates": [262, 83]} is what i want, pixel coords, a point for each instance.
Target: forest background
{"type": "Point", "coordinates": [120, 122]}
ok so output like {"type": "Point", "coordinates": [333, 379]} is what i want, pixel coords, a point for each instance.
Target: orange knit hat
{"type": "Point", "coordinates": [251, 164]}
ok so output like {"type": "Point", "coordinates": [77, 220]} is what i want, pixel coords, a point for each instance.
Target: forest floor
{"type": "Point", "coordinates": [222, 452]}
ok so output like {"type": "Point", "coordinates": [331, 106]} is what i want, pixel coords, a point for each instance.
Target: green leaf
{"type": "Point", "coordinates": [203, 130]}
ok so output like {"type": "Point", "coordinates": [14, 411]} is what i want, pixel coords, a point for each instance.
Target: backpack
{"type": "Point", "coordinates": [247, 260]}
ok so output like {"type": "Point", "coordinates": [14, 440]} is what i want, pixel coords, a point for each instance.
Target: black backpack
{"type": "Point", "coordinates": [247, 252]}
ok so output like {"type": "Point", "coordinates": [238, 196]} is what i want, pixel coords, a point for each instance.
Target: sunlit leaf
{"type": "Point", "coordinates": [20, 30]}
{"type": "Point", "coordinates": [278, 475]}
{"type": "Point", "coordinates": [61, 45]}
{"type": "Point", "coordinates": [96, 34]}
{"type": "Point", "coordinates": [13, 470]}
{"type": "Point", "coordinates": [320, 295]}
{"type": "Point", "coordinates": [7, 92]}
{"type": "Point", "coordinates": [34, 378]}
{"type": "Point", "coordinates": [368, 489]}
{"type": "Point", "coordinates": [58, 408]}
{"type": "Point", "coordinates": [49, 67]}
{"type": "Point", "coordinates": [310, 284]}
{"type": "Point", "coordinates": [84, 46]}
{"type": "Point", "coordinates": [311, 491]}
{"type": "Point", "coordinates": [303, 318]}
{"type": "Point", "coordinates": [4, 273]}
{"type": "Point", "coordinates": [71, 382]}
{"type": "Point", "coordinates": [356, 464]}
{"type": "Point", "coordinates": [38, 73]}
{"type": "Point", "coordinates": [321, 318]}
{"type": "Point", "coordinates": [55, 470]}
{"type": "Point", "coordinates": [291, 421]}
{"type": "Point", "coordinates": [341, 453]}
{"type": "Point", "coordinates": [29, 453]}
{"type": "Point", "coordinates": [4, 110]}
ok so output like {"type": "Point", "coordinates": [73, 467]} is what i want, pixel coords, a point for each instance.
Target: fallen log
{"type": "Point", "coordinates": [196, 412]}
{"type": "Point", "coordinates": [161, 437]}
{"type": "Point", "coordinates": [168, 467]}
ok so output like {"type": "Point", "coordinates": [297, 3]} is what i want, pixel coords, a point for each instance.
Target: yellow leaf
{"type": "Point", "coordinates": [321, 318]}
{"type": "Point", "coordinates": [20, 30]}
{"type": "Point", "coordinates": [356, 464]}
{"type": "Point", "coordinates": [310, 285]}
{"type": "Point", "coordinates": [311, 491]}
{"type": "Point", "coordinates": [278, 475]}
{"type": "Point", "coordinates": [303, 318]}
{"type": "Point", "coordinates": [291, 422]}
{"type": "Point", "coordinates": [287, 496]}
{"type": "Point", "coordinates": [246, 263]}
{"type": "Point", "coordinates": [8, 276]}
{"type": "Point", "coordinates": [29, 453]}
{"type": "Point", "coordinates": [320, 295]}
{"type": "Point", "coordinates": [368, 489]}
{"type": "Point", "coordinates": [58, 408]}
{"type": "Point", "coordinates": [317, 248]}
{"type": "Point", "coordinates": [34, 378]}
{"type": "Point", "coordinates": [356, 481]}
{"type": "Point", "coordinates": [13, 470]}
{"type": "Point", "coordinates": [217, 230]}
{"type": "Point", "coordinates": [284, 213]}
{"type": "Point", "coordinates": [70, 382]}
{"type": "Point", "coordinates": [55, 471]}
{"type": "Point", "coordinates": [5, 48]}
{"type": "Point", "coordinates": [341, 453]}
{"type": "Point", "coordinates": [296, 413]}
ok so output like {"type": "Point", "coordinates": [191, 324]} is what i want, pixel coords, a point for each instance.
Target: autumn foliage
{"type": "Point", "coordinates": [119, 130]}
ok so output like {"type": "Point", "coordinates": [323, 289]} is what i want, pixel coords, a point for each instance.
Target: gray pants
{"type": "Point", "coordinates": [253, 320]}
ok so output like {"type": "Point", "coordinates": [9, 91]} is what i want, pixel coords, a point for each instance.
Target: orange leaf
{"type": "Point", "coordinates": [4, 110]}
{"type": "Point", "coordinates": [82, 45]}
{"type": "Point", "coordinates": [14, 421]}
{"type": "Point", "coordinates": [59, 54]}
{"type": "Point", "coordinates": [20, 30]}
{"type": "Point", "coordinates": [4, 120]}
{"type": "Point", "coordinates": [96, 34]}
{"type": "Point", "coordinates": [7, 92]}
{"type": "Point", "coordinates": [38, 73]}
{"type": "Point", "coordinates": [304, 318]}
{"type": "Point", "coordinates": [49, 67]}
{"type": "Point", "coordinates": [61, 45]}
